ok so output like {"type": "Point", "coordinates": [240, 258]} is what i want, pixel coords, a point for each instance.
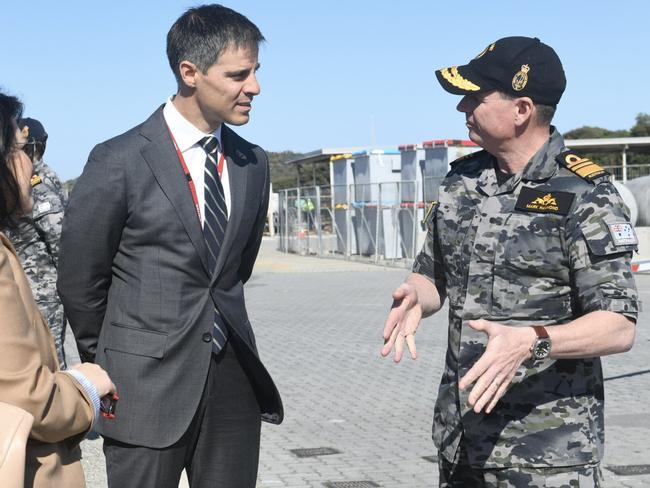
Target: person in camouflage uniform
{"type": "Point", "coordinates": [531, 244]}
{"type": "Point", "coordinates": [36, 237]}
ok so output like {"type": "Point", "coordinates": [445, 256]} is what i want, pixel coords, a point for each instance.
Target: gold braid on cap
{"type": "Point", "coordinates": [456, 79]}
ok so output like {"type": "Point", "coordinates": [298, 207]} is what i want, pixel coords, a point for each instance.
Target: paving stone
{"type": "Point", "coordinates": [318, 324]}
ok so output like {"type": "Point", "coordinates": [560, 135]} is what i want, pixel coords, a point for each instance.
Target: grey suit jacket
{"type": "Point", "coordinates": [135, 284]}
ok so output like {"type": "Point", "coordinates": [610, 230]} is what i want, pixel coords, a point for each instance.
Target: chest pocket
{"type": "Point", "coordinates": [452, 224]}
{"type": "Point", "coordinates": [531, 274]}
{"type": "Point", "coordinates": [453, 228]}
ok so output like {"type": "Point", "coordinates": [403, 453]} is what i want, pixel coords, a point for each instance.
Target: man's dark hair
{"type": "Point", "coordinates": [545, 113]}
{"type": "Point", "coordinates": [10, 111]}
{"type": "Point", "coordinates": [202, 33]}
{"type": "Point", "coordinates": [39, 150]}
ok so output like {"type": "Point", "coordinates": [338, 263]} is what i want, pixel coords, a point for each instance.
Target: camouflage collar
{"type": "Point", "coordinates": [543, 165]}
{"type": "Point", "coordinates": [38, 165]}
{"type": "Point", "coordinates": [540, 167]}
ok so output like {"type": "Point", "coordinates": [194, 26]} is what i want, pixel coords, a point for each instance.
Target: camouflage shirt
{"type": "Point", "coordinates": [540, 249]}
{"type": "Point", "coordinates": [36, 239]}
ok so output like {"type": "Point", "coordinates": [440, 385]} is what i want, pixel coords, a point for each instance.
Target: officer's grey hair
{"type": "Point", "coordinates": [545, 113]}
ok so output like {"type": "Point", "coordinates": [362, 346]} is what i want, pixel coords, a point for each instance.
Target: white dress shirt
{"type": "Point", "coordinates": [187, 137]}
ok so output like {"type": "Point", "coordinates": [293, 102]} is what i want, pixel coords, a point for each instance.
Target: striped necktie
{"type": "Point", "coordinates": [214, 226]}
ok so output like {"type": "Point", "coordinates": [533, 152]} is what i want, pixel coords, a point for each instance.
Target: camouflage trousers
{"type": "Point", "coordinates": [462, 475]}
{"type": "Point", "coordinates": [56, 320]}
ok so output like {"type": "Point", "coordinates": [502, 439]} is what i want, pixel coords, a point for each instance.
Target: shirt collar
{"type": "Point", "coordinates": [540, 167]}
{"type": "Point", "coordinates": [185, 133]}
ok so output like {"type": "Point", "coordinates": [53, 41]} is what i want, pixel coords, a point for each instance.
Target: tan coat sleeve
{"type": "Point", "coordinates": [28, 369]}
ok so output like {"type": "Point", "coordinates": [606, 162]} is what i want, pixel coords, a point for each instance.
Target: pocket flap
{"type": "Point", "coordinates": [605, 238]}
{"type": "Point", "coordinates": [132, 340]}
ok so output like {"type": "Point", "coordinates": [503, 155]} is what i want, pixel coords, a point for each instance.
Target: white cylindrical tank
{"type": "Point", "coordinates": [640, 188]}
{"type": "Point", "coordinates": [629, 200]}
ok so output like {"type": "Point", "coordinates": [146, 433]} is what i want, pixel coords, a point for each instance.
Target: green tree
{"type": "Point", "coordinates": [589, 132]}
{"type": "Point", "coordinates": [642, 126]}
{"type": "Point", "coordinates": [613, 159]}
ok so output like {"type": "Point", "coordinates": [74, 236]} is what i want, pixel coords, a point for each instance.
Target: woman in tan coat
{"type": "Point", "coordinates": [64, 403]}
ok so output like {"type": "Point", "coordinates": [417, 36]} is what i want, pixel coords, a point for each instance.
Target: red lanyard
{"type": "Point", "coordinates": [188, 176]}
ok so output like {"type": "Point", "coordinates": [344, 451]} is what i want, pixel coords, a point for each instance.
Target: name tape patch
{"type": "Point", "coordinates": [623, 234]}
{"type": "Point", "coordinates": [43, 207]}
{"type": "Point", "coordinates": [544, 201]}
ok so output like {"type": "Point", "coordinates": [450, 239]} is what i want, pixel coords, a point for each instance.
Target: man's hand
{"type": "Point", "coordinates": [402, 322]}
{"type": "Point", "coordinates": [507, 348]}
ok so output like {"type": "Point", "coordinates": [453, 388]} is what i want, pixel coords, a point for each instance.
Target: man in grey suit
{"type": "Point", "coordinates": [160, 235]}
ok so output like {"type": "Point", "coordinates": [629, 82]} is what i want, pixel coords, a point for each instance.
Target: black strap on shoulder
{"type": "Point", "coordinates": [467, 157]}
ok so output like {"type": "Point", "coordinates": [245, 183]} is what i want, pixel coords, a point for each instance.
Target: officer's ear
{"type": "Point", "coordinates": [524, 108]}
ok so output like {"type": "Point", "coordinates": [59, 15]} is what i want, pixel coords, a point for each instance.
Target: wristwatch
{"type": "Point", "coordinates": [541, 348]}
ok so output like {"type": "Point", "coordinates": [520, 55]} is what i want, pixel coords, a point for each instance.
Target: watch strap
{"type": "Point", "coordinates": [540, 331]}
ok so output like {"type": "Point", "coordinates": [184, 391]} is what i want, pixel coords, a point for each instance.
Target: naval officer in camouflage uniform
{"type": "Point", "coordinates": [531, 244]}
{"type": "Point", "coordinates": [36, 237]}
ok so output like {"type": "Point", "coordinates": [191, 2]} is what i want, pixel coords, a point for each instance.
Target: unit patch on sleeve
{"type": "Point", "coordinates": [583, 167]}
{"type": "Point", "coordinates": [623, 234]}
{"type": "Point", "coordinates": [544, 201]}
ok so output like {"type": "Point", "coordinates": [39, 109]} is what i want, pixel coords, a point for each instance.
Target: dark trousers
{"type": "Point", "coordinates": [219, 449]}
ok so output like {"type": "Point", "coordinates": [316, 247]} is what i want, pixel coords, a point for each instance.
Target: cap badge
{"type": "Point", "coordinates": [25, 131]}
{"type": "Point", "coordinates": [520, 79]}
{"type": "Point", "coordinates": [489, 48]}
{"type": "Point", "coordinates": [455, 78]}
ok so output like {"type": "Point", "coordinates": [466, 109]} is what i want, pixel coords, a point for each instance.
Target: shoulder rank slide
{"type": "Point", "coordinates": [583, 167]}
{"type": "Point", "coordinates": [36, 180]}
{"type": "Point", "coordinates": [428, 216]}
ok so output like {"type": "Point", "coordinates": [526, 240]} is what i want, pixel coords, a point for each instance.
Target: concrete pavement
{"type": "Point", "coordinates": [318, 325]}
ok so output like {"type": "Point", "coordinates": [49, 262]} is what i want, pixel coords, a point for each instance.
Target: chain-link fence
{"type": "Point", "coordinates": [379, 222]}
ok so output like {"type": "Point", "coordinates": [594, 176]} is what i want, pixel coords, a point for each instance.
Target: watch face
{"type": "Point", "coordinates": [542, 348]}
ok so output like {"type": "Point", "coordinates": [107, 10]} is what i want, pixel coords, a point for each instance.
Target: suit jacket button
{"type": "Point", "coordinates": [207, 337]}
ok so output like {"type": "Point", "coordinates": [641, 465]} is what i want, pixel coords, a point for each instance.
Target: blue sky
{"type": "Point", "coordinates": [334, 73]}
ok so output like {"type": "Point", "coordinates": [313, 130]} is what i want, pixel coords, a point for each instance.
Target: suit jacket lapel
{"type": "Point", "coordinates": [161, 156]}
{"type": "Point", "coordinates": [237, 175]}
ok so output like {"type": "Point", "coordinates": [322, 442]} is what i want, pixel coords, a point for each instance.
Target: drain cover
{"type": "Point", "coordinates": [431, 459]}
{"type": "Point", "coordinates": [351, 484]}
{"type": "Point", "coordinates": [314, 451]}
{"type": "Point", "coordinates": [630, 470]}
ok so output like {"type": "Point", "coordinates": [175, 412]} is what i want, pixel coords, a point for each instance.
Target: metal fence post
{"type": "Point", "coordinates": [377, 221]}
{"type": "Point", "coordinates": [286, 220]}
{"type": "Point", "coordinates": [318, 223]}
{"type": "Point", "coordinates": [416, 207]}
{"type": "Point", "coordinates": [348, 221]}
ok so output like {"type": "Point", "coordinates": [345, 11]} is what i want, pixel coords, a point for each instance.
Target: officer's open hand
{"type": "Point", "coordinates": [402, 322]}
{"type": "Point", "coordinates": [507, 348]}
